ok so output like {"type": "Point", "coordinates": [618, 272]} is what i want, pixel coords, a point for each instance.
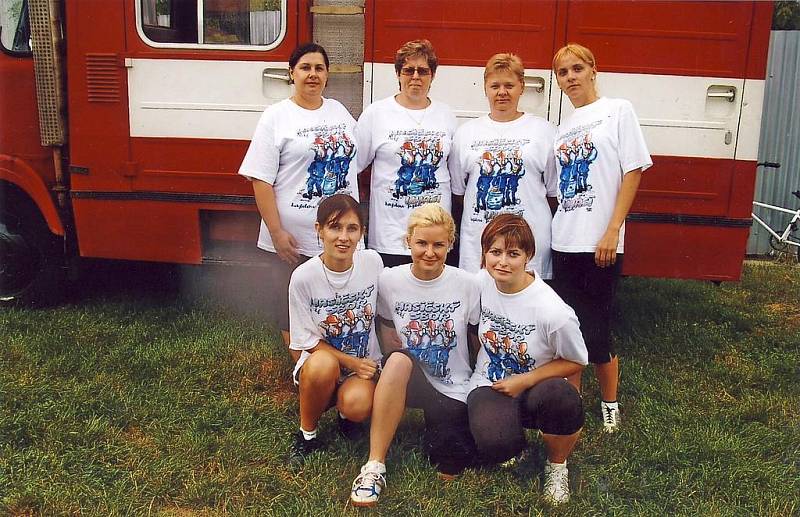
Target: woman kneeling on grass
{"type": "Point", "coordinates": [331, 308]}
{"type": "Point", "coordinates": [424, 309]}
{"type": "Point", "coordinates": [530, 341]}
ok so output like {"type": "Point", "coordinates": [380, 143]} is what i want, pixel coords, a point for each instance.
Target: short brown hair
{"type": "Point", "coordinates": [416, 48]}
{"type": "Point", "coordinates": [514, 229]}
{"type": "Point", "coordinates": [577, 50]}
{"type": "Point", "coordinates": [505, 62]}
{"type": "Point", "coordinates": [332, 208]}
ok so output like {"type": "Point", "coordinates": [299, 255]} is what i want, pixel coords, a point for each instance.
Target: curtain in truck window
{"type": "Point", "coordinates": [15, 31]}
{"type": "Point", "coordinates": [222, 22]}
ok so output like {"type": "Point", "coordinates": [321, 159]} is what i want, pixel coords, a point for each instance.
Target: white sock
{"type": "Point", "coordinates": [557, 465]}
{"type": "Point", "coordinates": [375, 466]}
{"type": "Point", "coordinates": [612, 405]}
{"type": "Point", "coordinates": [309, 435]}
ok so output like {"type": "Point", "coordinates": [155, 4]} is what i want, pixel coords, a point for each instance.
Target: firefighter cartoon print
{"type": "Point", "coordinates": [500, 168]}
{"type": "Point", "coordinates": [505, 346]}
{"type": "Point", "coordinates": [419, 156]}
{"type": "Point", "coordinates": [430, 335]}
{"type": "Point", "coordinates": [332, 151]}
{"type": "Point", "coordinates": [346, 321]}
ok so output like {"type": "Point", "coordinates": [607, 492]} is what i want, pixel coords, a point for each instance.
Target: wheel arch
{"type": "Point", "coordinates": [28, 187]}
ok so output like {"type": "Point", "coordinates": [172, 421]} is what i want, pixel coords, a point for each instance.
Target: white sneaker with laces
{"type": "Point", "coordinates": [556, 483]}
{"type": "Point", "coordinates": [611, 417]}
{"type": "Point", "coordinates": [368, 485]}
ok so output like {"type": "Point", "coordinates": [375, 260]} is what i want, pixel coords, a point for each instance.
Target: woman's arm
{"type": "Point", "coordinates": [387, 336]}
{"type": "Point", "coordinates": [606, 253]}
{"type": "Point", "coordinates": [364, 368]}
{"type": "Point", "coordinates": [516, 384]}
{"type": "Point", "coordinates": [284, 242]}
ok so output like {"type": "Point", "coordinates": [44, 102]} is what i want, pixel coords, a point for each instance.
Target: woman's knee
{"type": "Point", "coordinates": [321, 367]}
{"type": "Point", "coordinates": [397, 368]}
{"type": "Point", "coordinates": [355, 401]}
{"type": "Point", "coordinates": [558, 407]}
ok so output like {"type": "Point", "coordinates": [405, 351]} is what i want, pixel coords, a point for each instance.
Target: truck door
{"type": "Point", "coordinates": [464, 35]}
{"type": "Point", "coordinates": [688, 68]}
{"type": "Point", "coordinates": [196, 75]}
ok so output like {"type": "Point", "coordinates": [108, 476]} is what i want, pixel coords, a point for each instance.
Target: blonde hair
{"type": "Point", "coordinates": [577, 50]}
{"type": "Point", "coordinates": [505, 62]}
{"type": "Point", "coordinates": [431, 214]}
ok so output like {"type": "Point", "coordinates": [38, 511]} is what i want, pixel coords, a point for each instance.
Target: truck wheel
{"type": "Point", "coordinates": [31, 262]}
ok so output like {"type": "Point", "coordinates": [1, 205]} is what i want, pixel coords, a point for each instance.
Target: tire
{"type": "Point", "coordinates": [777, 245]}
{"type": "Point", "coordinates": [32, 269]}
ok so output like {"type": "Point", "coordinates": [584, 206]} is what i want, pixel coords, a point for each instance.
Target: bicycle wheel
{"type": "Point", "coordinates": [778, 245]}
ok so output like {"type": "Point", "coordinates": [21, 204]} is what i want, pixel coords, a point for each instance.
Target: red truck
{"type": "Point", "coordinates": [123, 122]}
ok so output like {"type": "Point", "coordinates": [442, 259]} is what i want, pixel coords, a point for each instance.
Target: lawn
{"type": "Point", "coordinates": [132, 400]}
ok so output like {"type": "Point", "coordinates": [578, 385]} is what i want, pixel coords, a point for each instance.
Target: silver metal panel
{"type": "Point", "coordinates": [780, 137]}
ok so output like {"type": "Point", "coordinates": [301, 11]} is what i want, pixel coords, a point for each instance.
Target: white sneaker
{"type": "Point", "coordinates": [611, 417]}
{"type": "Point", "coordinates": [368, 485]}
{"type": "Point", "coordinates": [556, 483]}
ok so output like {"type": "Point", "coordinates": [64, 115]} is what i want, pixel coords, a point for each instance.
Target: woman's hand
{"type": "Point", "coordinates": [511, 386]}
{"type": "Point", "coordinates": [365, 368]}
{"type": "Point", "coordinates": [285, 246]}
{"type": "Point", "coordinates": [606, 253]}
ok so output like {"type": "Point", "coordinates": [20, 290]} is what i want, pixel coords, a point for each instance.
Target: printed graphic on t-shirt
{"type": "Point", "coordinates": [505, 346]}
{"type": "Point", "coordinates": [419, 157]}
{"type": "Point", "coordinates": [430, 334]}
{"type": "Point", "coordinates": [347, 320]}
{"type": "Point", "coordinates": [575, 154]}
{"type": "Point", "coordinates": [500, 167]}
{"type": "Point", "coordinates": [327, 175]}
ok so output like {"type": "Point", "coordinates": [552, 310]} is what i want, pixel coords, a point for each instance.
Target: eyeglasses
{"type": "Point", "coordinates": [409, 70]}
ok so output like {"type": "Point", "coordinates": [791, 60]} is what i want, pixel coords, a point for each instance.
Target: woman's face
{"type": "Point", "coordinates": [415, 78]}
{"type": "Point", "coordinates": [429, 246]}
{"type": "Point", "coordinates": [576, 78]}
{"type": "Point", "coordinates": [340, 238]}
{"type": "Point", "coordinates": [503, 90]}
{"type": "Point", "coordinates": [310, 74]}
{"type": "Point", "coordinates": [506, 264]}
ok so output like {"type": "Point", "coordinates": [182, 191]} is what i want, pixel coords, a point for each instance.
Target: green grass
{"type": "Point", "coordinates": [132, 401]}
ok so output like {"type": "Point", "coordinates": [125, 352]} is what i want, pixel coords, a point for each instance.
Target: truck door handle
{"type": "Point", "coordinates": [280, 74]}
{"type": "Point", "coordinates": [537, 83]}
{"type": "Point", "coordinates": [721, 92]}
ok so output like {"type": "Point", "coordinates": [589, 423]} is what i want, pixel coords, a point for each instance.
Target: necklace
{"type": "Point", "coordinates": [416, 121]}
{"type": "Point", "coordinates": [327, 278]}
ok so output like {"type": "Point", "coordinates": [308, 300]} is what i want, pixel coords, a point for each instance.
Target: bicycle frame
{"type": "Point", "coordinates": [784, 237]}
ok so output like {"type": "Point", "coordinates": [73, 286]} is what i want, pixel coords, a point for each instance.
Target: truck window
{"type": "Point", "coordinates": [15, 31]}
{"type": "Point", "coordinates": [220, 24]}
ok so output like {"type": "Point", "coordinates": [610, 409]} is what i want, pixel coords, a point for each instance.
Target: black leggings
{"type": "Point", "coordinates": [448, 441]}
{"type": "Point", "coordinates": [497, 421]}
{"type": "Point", "coordinates": [589, 290]}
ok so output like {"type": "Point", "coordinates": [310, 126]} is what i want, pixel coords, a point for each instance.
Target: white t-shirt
{"type": "Point", "coordinates": [306, 155]}
{"type": "Point", "coordinates": [595, 147]}
{"type": "Point", "coordinates": [337, 307]}
{"type": "Point", "coordinates": [523, 331]}
{"type": "Point", "coordinates": [431, 319]}
{"type": "Point", "coordinates": [504, 167]}
{"type": "Point", "coordinates": [408, 150]}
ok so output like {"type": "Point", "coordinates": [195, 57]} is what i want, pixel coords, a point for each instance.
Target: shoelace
{"type": "Point", "coordinates": [608, 415]}
{"type": "Point", "coordinates": [558, 478]}
{"type": "Point", "coordinates": [370, 478]}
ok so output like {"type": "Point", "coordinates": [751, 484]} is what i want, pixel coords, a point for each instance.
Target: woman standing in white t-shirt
{"type": "Point", "coordinates": [503, 163]}
{"type": "Point", "coordinates": [302, 151]}
{"type": "Point", "coordinates": [529, 341]}
{"type": "Point", "coordinates": [407, 139]}
{"type": "Point", "coordinates": [332, 300]}
{"type": "Point", "coordinates": [600, 155]}
{"type": "Point", "coordinates": [424, 310]}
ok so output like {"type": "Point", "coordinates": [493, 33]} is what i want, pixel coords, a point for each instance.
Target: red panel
{"type": "Point", "coordinates": [682, 251]}
{"type": "Point", "coordinates": [138, 230]}
{"type": "Point", "coordinates": [693, 186]}
{"type": "Point", "coordinates": [189, 165]}
{"type": "Point", "coordinates": [740, 203]}
{"type": "Point", "coordinates": [674, 38]}
{"type": "Point", "coordinates": [98, 128]}
{"type": "Point", "coordinates": [465, 33]}
{"type": "Point", "coordinates": [759, 41]}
